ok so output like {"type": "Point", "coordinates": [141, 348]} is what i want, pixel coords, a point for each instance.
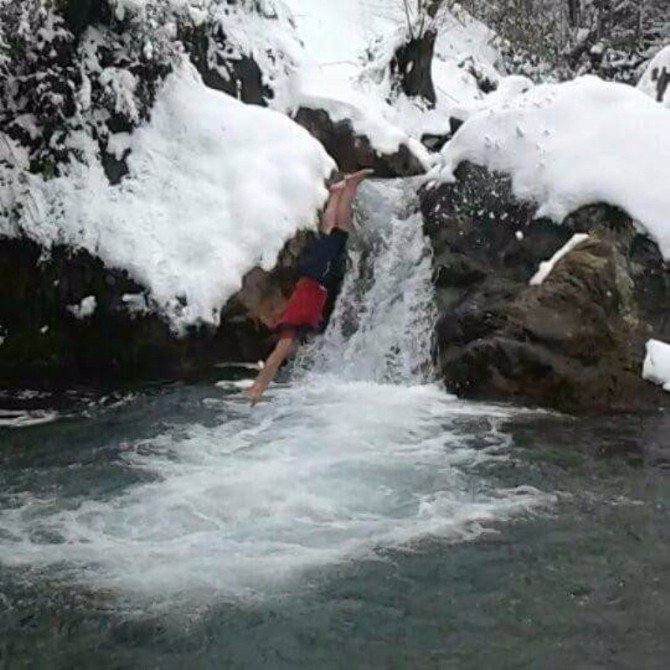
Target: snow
{"type": "Point", "coordinates": [574, 144]}
{"type": "Point", "coordinates": [335, 32]}
{"type": "Point", "coordinates": [345, 70]}
{"type": "Point", "coordinates": [546, 267]}
{"type": "Point", "coordinates": [85, 309]}
{"type": "Point", "coordinates": [651, 79]}
{"type": "Point", "coordinates": [215, 188]}
{"type": "Point", "coordinates": [656, 367]}
{"type": "Point", "coordinates": [136, 303]}
{"type": "Point", "coordinates": [118, 144]}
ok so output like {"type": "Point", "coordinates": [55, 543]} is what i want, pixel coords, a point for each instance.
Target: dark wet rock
{"type": "Point", "coordinates": [434, 142]}
{"type": "Point", "coordinates": [243, 77]}
{"type": "Point", "coordinates": [79, 14]}
{"type": "Point", "coordinates": [43, 341]}
{"type": "Point", "coordinates": [353, 152]}
{"type": "Point", "coordinates": [576, 342]}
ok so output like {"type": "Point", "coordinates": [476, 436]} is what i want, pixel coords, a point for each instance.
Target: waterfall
{"type": "Point", "coordinates": [381, 328]}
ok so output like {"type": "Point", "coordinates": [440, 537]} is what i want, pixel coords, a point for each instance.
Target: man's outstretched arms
{"type": "Point", "coordinates": [285, 347]}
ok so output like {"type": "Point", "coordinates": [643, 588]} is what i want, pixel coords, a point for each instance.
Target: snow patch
{"type": "Point", "coordinates": [85, 309]}
{"type": "Point", "coordinates": [582, 142]}
{"type": "Point", "coordinates": [118, 145]}
{"type": "Point", "coordinates": [546, 267]}
{"type": "Point", "coordinates": [136, 303]}
{"type": "Point", "coordinates": [656, 367]}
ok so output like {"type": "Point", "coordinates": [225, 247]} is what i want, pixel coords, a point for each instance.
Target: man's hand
{"type": "Point", "coordinates": [285, 347]}
{"type": "Point", "coordinates": [254, 393]}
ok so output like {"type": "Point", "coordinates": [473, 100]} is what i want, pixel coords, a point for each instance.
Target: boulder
{"type": "Point", "coordinates": [240, 77]}
{"type": "Point", "coordinates": [575, 342]}
{"type": "Point", "coordinates": [65, 317]}
{"type": "Point", "coordinates": [353, 152]}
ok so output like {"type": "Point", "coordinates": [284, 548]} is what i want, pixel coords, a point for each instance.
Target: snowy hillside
{"type": "Point", "coordinates": [209, 187]}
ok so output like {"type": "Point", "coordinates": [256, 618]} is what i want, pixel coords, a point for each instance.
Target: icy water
{"type": "Point", "coordinates": [358, 518]}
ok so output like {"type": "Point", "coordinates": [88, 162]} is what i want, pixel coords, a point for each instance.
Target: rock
{"type": "Point", "coordinates": [353, 152]}
{"type": "Point", "coordinates": [244, 78]}
{"type": "Point", "coordinates": [574, 343]}
{"type": "Point", "coordinates": [80, 14]}
{"type": "Point", "coordinates": [42, 340]}
{"type": "Point", "coordinates": [434, 142]}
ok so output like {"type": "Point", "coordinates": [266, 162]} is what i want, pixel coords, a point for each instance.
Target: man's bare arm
{"type": "Point", "coordinates": [285, 347]}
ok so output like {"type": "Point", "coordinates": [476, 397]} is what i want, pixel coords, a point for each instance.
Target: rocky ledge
{"type": "Point", "coordinates": [575, 342]}
{"type": "Point", "coordinates": [65, 317]}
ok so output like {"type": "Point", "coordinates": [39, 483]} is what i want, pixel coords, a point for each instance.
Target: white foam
{"type": "Point", "coordinates": [332, 467]}
{"type": "Point", "coordinates": [26, 419]}
{"type": "Point", "coordinates": [326, 472]}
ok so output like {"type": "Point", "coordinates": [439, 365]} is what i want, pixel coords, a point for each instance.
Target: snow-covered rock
{"type": "Point", "coordinates": [572, 342]}
{"type": "Point", "coordinates": [655, 81]}
{"type": "Point", "coordinates": [215, 188]}
{"type": "Point", "coordinates": [574, 144]}
{"type": "Point", "coordinates": [656, 367]}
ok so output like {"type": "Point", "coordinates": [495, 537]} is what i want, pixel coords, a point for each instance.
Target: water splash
{"type": "Point", "coordinates": [358, 453]}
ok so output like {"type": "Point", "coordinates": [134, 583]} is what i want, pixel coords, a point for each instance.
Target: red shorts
{"type": "Point", "coordinates": [304, 309]}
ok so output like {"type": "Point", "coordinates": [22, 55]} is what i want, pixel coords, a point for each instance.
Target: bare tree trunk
{"type": "Point", "coordinates": [412, 66]}
{"type": "Point", "coordinates": [574, 13]}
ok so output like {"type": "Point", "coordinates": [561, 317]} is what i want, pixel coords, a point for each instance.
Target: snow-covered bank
{"type": "Point", "coordinates": [215, 188]}
{"type": "Point", "coordinates": [575, 144]}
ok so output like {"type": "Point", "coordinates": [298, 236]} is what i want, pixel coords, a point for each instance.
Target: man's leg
{"type": "Point", "coordinates": [329, 219]}
{"type": "Point", "coordinates": [345, 214]}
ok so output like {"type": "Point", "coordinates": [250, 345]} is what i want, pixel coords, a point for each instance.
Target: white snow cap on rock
{"type": "Point", "coordinates": [657, 364]}
{"type": "Point", "coordinates": [85, 308]}
{"type": "Point", "coordinates": [546, 267]}
{"type": "Point", "coordinates": [574, 144]}
{"type": "Point", "coordinates": [215, 188]}
{"type": "Point", "coordinates": [655, 80]}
